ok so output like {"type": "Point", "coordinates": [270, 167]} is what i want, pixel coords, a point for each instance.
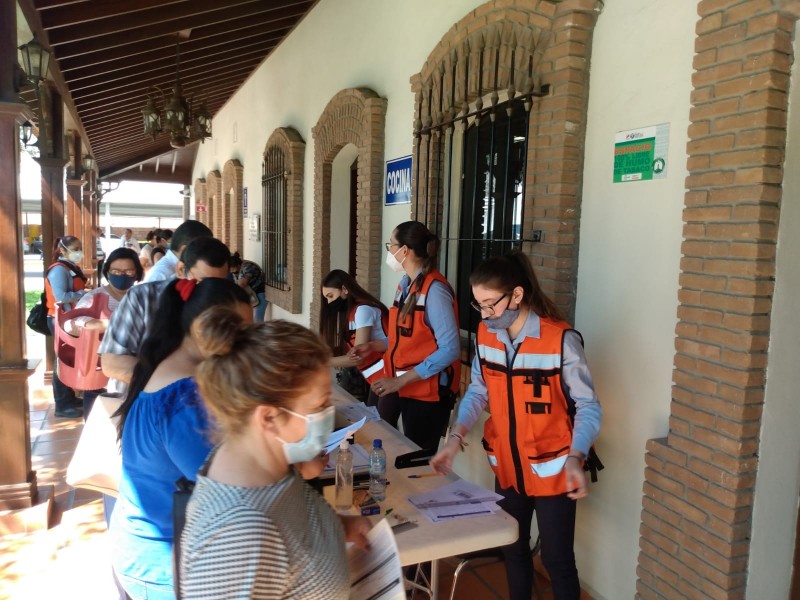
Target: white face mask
{"type": "Point", "coordinates": [319, 427]}
{"type": "Point", "coordinates": [75, 256]}
{"type": "Point", "coordinates": [394, 264]}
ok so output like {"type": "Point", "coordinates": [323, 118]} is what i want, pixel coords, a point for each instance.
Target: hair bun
{"type": "Point", "coordinates": [216, 330]}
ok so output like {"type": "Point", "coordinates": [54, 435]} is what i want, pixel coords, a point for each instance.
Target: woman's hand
{"type": "Point", "coordinates": [312, 468]}
{"type": "Point", "coordinates": [356, 530]}
{"type": "Point", "coordinates": [576, 479]}
{"type": "Point", "coordinates": [387, 385]}
{"type": "Point", "coordinates": [361, 350]}
{"type": "Point", "coordinates": [96, 324]}
{"type": "Point", "coordinates": [443, 461]}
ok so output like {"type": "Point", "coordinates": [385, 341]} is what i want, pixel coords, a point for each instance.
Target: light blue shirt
{"type": "Point", "coordinates": [441, 318]}
{"type": "Point", "coordinates": [574, 374]}
{"type": "Point", "coordinates": [165, 269]}
{"type": "Point", "coordinates": [60, 280]}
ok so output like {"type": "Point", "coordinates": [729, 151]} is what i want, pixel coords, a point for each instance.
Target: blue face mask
{"type": "Point", "coordinates": [504, 321]}
{"type": "Point", "coordinates": [121, 282]}
{"type": "Point", "coordinates": [319, 427]}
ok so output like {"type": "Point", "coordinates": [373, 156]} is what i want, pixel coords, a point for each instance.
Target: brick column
{"type": "Point", "coordinates": [700, 480]}
{"type": "Point", "coordinates": [17, 479]}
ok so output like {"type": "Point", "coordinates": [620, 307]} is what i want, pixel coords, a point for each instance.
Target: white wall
{"type": "Point", "coordinates": [630, 236]}
{"type": "Point", "coordinates": [630, 233]}
{"type": "Point", "coordinates": [775, 511]}
{"type": "Point", "coordinates": [340, 44]}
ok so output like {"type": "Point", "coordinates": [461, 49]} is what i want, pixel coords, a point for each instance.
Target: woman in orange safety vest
{"type": "Point", "coordinates": [422, 360]}
{"type": "Point", "coordinates": [530, 373]}
{"type": "Point", "coordinates": [64, 282]}
{"type": "Point", "coordinates": [351, 316]}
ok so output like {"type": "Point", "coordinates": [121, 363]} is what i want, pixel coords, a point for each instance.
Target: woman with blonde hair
{"type": "Point", "coordinates": [254, 528]}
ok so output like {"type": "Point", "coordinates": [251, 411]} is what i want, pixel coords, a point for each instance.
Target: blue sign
{"type": "Point", "coordinates": [398, 181]}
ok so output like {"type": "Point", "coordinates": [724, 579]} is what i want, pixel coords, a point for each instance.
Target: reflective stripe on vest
{"type": "Point", "coordinates": [529, 432]}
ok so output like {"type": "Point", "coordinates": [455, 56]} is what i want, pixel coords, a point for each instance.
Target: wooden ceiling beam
{"type": "Point", "coordinates": [68, 43]}
{"type": "Point", "coordinates": [192, 85]}
{"type": "Point", "coordinates": [184, 177]}
{"type": "Point", "coordinates": [101, 130]}
{"type": "Point", "coordinates": [42, 5]}
{"type": "Point", "coordinates": [202, 36]}
{"type": "Point", "coordinates": [160, 56]}
{"type": "Point", "coordinates": [118, 22]}
{"type": "Point", "coordinates": [192, 81]}
{"type": "Point", "coordinates": [104, 114]}
{"type": "Point", "coordinates": [62, 16]}
{"type": "Point", "coordinates": [98, 123]}
{"type": "Point", "coordinates": [138, 75]}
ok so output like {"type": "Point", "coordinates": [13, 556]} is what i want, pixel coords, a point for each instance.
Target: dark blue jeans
{"type": "Point", "coordinates": [63, 395]}
{"type": "Point", "coordinates": [555, 516]}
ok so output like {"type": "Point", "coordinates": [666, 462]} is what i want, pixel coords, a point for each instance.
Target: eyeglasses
{"type": "Point", "coordinates": [489, 308]}
{"type": "Point", "coordinates": [129, 272]}
{"type": "Point", "coordinates": [390, 245]}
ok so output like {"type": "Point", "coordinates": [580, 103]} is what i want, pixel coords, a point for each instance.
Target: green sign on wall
{"type": "Point", "coordinates": [641, 154]}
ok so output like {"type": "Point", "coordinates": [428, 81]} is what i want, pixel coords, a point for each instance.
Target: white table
{"type": "Point", "coordinates": [428, 541]}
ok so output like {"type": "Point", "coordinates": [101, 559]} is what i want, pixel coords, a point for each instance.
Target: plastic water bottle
{"type": "Point", "coordinates": [344, 477]}
{"type": "Point", "coordinates": [377, 471]}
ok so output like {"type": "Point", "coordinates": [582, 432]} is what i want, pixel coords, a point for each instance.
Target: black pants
{"type": "Point", "coordinates": [555, 516]}
{"type": "Point", "coordinates": [423, 422]}
{"type": "Point", "coordinates": [63, 395]}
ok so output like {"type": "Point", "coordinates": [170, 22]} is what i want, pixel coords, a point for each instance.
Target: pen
{"type": "Point", "coordinates": [424, 475]}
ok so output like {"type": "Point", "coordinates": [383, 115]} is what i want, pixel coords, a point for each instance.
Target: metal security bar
{"type": "Point", "coordinates": [470, 162]}
{"type": "Point", "coordinates": [273, 184]}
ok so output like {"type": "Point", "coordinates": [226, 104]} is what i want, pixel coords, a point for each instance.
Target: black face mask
{"type": "Point", "coordinates": [338, 305]}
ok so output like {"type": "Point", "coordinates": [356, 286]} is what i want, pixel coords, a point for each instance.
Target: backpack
{"type": "Point", "coordinates": [37, 319]}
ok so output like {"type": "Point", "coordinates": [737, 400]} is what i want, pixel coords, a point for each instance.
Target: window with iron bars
{"type": "Point", "coordinates": [275, 226]}
{"type": "Point", "coordinates": [475, 192]}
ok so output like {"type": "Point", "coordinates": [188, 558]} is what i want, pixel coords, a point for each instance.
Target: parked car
{"type": "Point", "coordinates": [37, 246]}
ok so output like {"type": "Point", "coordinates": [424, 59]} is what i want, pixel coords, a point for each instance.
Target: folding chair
{"type": "Point", "coordinates": [491, 555]}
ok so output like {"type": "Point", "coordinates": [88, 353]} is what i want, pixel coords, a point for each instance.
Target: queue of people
{"type": "Point", "coordinates": [242, 406]}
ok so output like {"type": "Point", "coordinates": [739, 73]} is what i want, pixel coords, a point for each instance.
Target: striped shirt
{"type": "Point", "coordinates": [281, 541]}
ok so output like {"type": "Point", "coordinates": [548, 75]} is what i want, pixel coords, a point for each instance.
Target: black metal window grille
{"type": "Point", "coordinates": [275, 227]}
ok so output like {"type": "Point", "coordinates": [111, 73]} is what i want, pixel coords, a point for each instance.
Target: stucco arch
{"type": "Point", "coordinates": [214, 203]}
{"type": "Point", "coordinates": [232, 192]}
{"type": "Point", "coordinates": [353, 116]}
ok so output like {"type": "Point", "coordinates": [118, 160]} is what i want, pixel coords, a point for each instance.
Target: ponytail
{"type": "Point", "coordinates": [425, 245]}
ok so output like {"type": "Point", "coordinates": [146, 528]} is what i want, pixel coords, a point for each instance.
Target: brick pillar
{"type": "Point", "coordinates": [17, 479]}
{"type": "Point", "coordinates": [700, 480]}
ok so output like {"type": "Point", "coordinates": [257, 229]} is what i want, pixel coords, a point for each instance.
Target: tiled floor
{"type": "Point", "coordinates": [71, 559]}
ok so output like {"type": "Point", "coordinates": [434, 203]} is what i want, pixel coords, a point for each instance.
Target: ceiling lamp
{"type": "Point", "coordinates": [176, 117]}
{"type": "Point", "coordinates": [35, 60]}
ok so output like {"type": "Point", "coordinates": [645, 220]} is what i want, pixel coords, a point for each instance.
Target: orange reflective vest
{"type": "Point", "coordinates": [528, 435]}
{"type": "Point", "coordinates": [372, 365]}
{"type": "Point", "coordinates": [411, 341]}
{"type": "Point", "coordinates": [78, 284]}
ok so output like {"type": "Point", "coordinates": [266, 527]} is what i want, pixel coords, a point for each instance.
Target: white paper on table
{"type": "Point", "coordinates": [360, 461]}
{"type": "Point", "coordinates": [376, 573]}
{"type": "Point", "coordinates": [459, 511]}
{"type": "Point", "coordinates": [354, 411]}
{"type": "Point", "coordinates": [457, 493]}
{"type": "Point", "coordinates": [337, 436]}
